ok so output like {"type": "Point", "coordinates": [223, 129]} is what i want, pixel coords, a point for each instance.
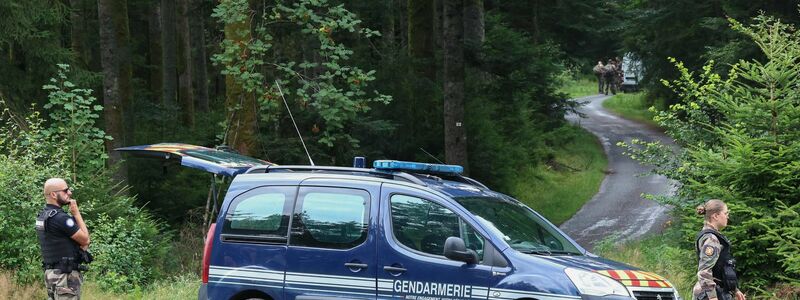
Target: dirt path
{"type": "Point", "coordinates": [618, 208]}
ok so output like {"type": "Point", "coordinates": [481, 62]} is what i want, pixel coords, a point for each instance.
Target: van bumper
{"type": "Point", "coordinates": [202, 293]}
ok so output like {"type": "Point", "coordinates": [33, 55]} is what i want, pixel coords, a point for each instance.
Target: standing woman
{"type": "Point", "coordinates": [716, 274]}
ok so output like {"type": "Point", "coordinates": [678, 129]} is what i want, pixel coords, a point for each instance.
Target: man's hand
{"type": "Point", "coordinates": [740, 295]}
{"type": "Point", "coordinates": [73, 207]}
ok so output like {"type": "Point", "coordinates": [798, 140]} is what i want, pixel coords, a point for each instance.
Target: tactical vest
{"type": "Point", "coordinates": [724, 270]}
{"type": "Point", "coordinates": [54, 246]}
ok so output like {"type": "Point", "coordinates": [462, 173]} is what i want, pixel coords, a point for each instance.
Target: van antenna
{"type": "Point", "coordinates": [293, 122]}
{"type": "Point", "coordinates": [431, 155]}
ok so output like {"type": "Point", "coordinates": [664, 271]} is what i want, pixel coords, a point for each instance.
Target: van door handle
{"type": "Point", "coordinates": [356, 265]}
{"type": "Point", "coordinates": [394, 269]}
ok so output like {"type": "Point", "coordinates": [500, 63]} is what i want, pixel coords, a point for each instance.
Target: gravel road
{"type": "Point", "coordinates": [618, 210]}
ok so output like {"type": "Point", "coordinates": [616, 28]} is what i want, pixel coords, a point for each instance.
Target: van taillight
{"type": "Point", "coordinates": [207, 251]}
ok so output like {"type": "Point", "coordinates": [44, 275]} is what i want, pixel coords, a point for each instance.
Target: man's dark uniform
{"type": "Point", "coordinates": [60, 253]}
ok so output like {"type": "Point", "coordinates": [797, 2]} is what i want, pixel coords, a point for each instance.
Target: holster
{"type": "Point", "coordinates": [66, 265]}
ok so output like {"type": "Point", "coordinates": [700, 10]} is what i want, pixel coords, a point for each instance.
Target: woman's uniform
{"type": "Point", "coordinates": [716, 274]}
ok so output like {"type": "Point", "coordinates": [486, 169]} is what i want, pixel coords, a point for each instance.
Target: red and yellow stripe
{"type": "Point", "coordinates": [636, 278]}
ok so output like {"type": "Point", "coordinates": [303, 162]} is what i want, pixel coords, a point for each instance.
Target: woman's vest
{"type": "Point", "coordinates": [724, 270]}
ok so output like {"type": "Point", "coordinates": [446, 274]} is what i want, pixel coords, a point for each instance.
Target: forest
{"type": "Point", "coordinates": [468, 82]}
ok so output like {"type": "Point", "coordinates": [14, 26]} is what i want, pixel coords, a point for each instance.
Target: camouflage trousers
{"type": "Point", "coordinates": [63, 286]}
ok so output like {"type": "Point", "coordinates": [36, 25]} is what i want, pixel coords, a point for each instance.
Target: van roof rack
{"type": "Point", "coordinates": [342, 170]}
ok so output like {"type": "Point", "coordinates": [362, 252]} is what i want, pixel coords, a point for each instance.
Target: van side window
{"type": "Point", "coordinates": [424, 226]}
{"type": "Point", "coordinates": [334, 218]}
{"type": "Point", "coordinates": [263, 211]}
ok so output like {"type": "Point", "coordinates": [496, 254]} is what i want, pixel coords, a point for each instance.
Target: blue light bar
{"type": "Point", "coordinates": [416, 167]}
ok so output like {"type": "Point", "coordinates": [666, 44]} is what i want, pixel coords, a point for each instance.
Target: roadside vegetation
{"type": "Point", "coordinates": [739, 143]}
{"type": "Point", "coordinates": [181, 287]}
{"type": "Point", "coordinates": [558, 188]}
{"type": "Point", "coordinates": [635, 106]}
{"type": "Point", "coordinates": [661, 254]}
{"type": "Point", "coordinates": [578, 85]}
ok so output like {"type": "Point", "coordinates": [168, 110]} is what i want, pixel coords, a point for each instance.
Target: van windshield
{"type": "Point", "coordinates": [520, 227]}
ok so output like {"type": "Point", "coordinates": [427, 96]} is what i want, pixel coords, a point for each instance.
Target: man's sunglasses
{"type": "Point", "coordinates": [64, 190]}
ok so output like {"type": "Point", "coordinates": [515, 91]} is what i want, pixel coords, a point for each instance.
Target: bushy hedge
{"type": "Point", "coordinates": [126, 240]}
{"type": "Point", "coordinates": [740, 139]}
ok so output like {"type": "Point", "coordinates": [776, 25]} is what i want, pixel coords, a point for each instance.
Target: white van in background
{"type": "Point", "coordinates": [632, 69]}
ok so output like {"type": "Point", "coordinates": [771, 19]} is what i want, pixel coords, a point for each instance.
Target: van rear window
{"type": "Point", "coordinates": [260, 212]}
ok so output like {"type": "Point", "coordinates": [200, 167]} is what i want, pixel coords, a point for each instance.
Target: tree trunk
{"type": "Point", "coordinates": [78, 29]}
{"type": "Point", "coordinates": [241, 106]}
{"type": "Point", "coordinates": [169, 53]}
{"type": "Point", "coordinates": [402, 21]}
{"type": "Point", "coordinates": [420, 37]}
{"type": "Point", "coordinates": [388, 27]}
{"type": "Point", "coordinates": [115, 59]}
{"type": "Point", "coordinates": [455, 134]}
{"type": "Point", "coordinates": [185, 93]}
{"type": "Point", "coordinates": [154, 52]}
{"type": "Point", "coordinates": [474, 33]}
{"type": "Point", "coordinates": [199, 59]}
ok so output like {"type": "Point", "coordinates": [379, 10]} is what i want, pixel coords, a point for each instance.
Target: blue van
{"type": "Point", "coordinates": [399, 230]}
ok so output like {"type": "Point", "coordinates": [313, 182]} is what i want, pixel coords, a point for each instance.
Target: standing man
{"type": "Point", "coordinates": [598, 72]}
{"type": "Point", "coordinates": [64, 240]}
{"type": "Point", "coordinates": [609, 72]}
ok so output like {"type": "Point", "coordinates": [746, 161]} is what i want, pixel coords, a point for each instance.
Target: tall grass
{"type": "Point", "coordinates": [660, 254]}
{"type": "Point", "coordinates": [180, 287]}
{"type": "Point", "coordinates": [579, 86]}
{"type": "Point", "coordinates": [560, 187]}
{"type": "Point", "coordinates": [634, 107]}
{"type": "Point", "coordinates": [664, 255]}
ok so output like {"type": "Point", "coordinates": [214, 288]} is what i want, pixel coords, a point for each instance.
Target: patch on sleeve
{"type": "Point", "coordinates": [71, 223]}
{"type": "Point", "coordinates": [709, 251]}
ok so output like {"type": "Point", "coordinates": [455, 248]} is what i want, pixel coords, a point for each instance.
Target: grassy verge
{"type": "Point", "coordinates": [182, 287]}
{"type": "Point", "coordinates": [633, 107]}
{"type": "Point", "coordinates": [559, 188]}
{"type": "Point", "coordinates": [660, 254]}
{"type": "Point", "coordinates": [582, 86]}
{"type": "Point", "coordinates": [664, 255]}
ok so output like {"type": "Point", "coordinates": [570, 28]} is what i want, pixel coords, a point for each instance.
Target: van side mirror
{"type": "Point", "coordinates": [455, 249]}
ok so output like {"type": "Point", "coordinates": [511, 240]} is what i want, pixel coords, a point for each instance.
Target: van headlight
{"type": "Point", "coordinates": [591, 283]}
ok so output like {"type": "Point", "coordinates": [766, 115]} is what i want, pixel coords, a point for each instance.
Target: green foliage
{"type": "Point", "coordinates": [635, 107]}
{"type": "Point", "coordinates": [21, 179]}
{"type": "Point", "coordinates": [662, 254]}
{"type": "Point", "coordinates": [326, 87]}
{"type": "Point", "coordinates": [741, 144]}
{"type": "Point", "coordinates": [513, 110]}
{"type": "Point", "coordinates": [30, 46]}
{"type": "Point", "coordinates": [558, 188]}
{"type": "Point", "coordinates": [126, 250]}
{"type": "Point", "coordinates": [692, 31]}
{"type": "Point", "coordinates": [74, 113]}
{"type": "Point", "coordinates": [126, 241]}
{"type": "Point", "coordinates": [576, 86]}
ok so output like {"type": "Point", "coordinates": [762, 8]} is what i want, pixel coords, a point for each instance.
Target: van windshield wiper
{"type": "Point", "coordinates": [537, 252]}
{"type": "Point", "coordinates": [565, 252]}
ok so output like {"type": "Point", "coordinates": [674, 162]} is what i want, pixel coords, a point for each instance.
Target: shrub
{"type": "Point", "coordinates": [740, 143]}
{"type": "Point", "coordinates": [126, 240]}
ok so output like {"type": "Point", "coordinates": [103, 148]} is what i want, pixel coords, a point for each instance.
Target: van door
{"type": "Point", "coordinates": [414, 226]}
{"type": "Point", "coordinates": [331, 251]}
{"type": "Point", "coordinates": [249, 250]}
